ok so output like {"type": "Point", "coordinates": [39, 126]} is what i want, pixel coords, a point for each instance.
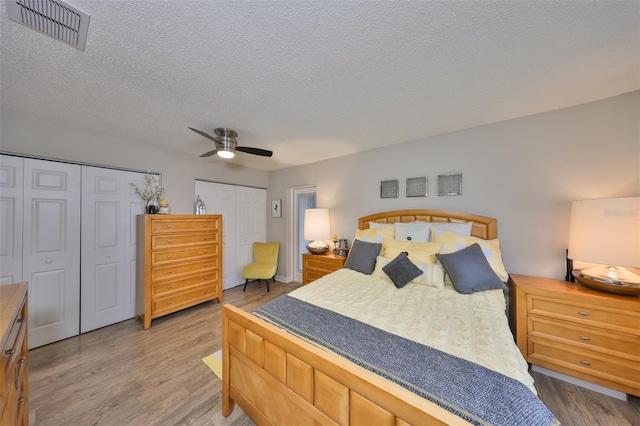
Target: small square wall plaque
{"type": "Point", "coordinates": [417, 187]}
{"type": "Point", "coordinates": [389, 188]}
{"type": "Point", "coordinates": [450, 184]}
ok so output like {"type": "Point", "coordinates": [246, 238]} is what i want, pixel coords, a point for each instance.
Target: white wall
{"type": "Point", "coordinates": [26, 135]}
{"type": "Point", "coordinates": [524, 172]}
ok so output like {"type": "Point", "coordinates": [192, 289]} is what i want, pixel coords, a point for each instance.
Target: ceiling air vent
{"type": "Point", "coordinates": [53, 18]}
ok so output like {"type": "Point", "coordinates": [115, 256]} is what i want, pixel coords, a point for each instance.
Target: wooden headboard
{"type": "Point", "coordinates": [483, 227]}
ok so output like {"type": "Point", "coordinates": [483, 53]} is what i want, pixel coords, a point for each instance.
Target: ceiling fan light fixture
{"type": "Point", "coordinates": [227, 147]}
{"type": "Point", "coordinates": [226, 154]}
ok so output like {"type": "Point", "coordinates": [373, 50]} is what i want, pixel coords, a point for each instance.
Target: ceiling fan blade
{"type": "Point", "coordinates": [255, 151]}
{"type": "Point", "coordinates": [201, 133]}
{"type": "Point", "coordinates": [209, 154]}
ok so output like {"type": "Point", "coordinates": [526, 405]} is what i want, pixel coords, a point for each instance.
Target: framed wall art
{"type": "Point", "coordinates": [389, 188]}
{"type": "Point", "coordinates": [276, 208]}
{"type": "Point", "coordinates": [450, 184]}
{"type": "Point", "coordinates": [417, 187]}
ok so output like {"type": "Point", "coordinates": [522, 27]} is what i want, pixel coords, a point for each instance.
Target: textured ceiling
{"type": "Point", "coordinates": [316, 80]}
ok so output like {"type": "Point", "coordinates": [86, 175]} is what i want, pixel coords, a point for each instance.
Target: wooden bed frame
{"type": "Point", "coordinates": [280, 379]}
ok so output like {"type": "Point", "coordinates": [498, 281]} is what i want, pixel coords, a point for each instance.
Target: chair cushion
{"type": "Point", "coordinates": [259, 270]}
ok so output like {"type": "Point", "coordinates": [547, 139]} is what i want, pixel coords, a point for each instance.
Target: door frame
{"type": "Point", "coordinates": [295, 252]}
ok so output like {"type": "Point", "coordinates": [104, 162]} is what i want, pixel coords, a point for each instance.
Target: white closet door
{"type": "Point", "coordinates": [11, 192]}
{"type": "Point", "coordinates": [220, 198]}
{"type": "Point", "coordinates": [52, 249]}
{"type": "Point", "coordinates": [251, 224]}
{"type": "Point", "coordinates": [108, 211]}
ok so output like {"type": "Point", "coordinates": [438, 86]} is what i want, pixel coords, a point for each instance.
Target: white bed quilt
{"type": "Point", "coordinates": [473, 327]}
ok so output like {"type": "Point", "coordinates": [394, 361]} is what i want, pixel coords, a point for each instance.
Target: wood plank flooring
{"type": "Point", "coordinates": [124, 375]}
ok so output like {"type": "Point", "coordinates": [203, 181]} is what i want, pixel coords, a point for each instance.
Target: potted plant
{"type": "Point", "coordinates": [150, 192]}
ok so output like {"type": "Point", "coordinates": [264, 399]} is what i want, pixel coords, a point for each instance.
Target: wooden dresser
{"type": "Point", "coordinates": [315, 266]}
{"type": "Point", "coordinates": [179, 263]}
{"type": "Point", "coordinates": [14, 363]}
{"type": "Point", "coordinates": [584, 333]}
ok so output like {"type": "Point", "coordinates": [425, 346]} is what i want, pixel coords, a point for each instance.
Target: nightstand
{"type": "Point", "coordinates": [584, 333]}
{"type": "Point", "coordinates": [315, 266]}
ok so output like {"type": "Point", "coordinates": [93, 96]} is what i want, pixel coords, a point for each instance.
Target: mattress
{"type": "Point", "coordinates": [473, 327]}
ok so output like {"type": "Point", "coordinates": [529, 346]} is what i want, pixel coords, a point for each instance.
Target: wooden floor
{"type": "Point", "coordinates": [123, 375]}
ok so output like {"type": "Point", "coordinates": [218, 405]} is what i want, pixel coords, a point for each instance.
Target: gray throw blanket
{"type": "Point", "coordinates": [471, 391]}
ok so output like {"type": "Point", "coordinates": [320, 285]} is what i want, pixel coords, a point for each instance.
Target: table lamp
{"type": "Point", "coordinates": [317, 228]}
{"type": "Point", "coordinates": [606, 232]}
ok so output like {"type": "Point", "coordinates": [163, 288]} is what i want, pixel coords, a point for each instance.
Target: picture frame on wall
{"type": "Point", "coordinates": [276, 208]}
{"type": "Point", "coordinates": [389, 188]}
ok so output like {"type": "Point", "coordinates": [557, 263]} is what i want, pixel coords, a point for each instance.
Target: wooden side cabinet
{"type": "Point", "coordinates": [179, 263]}
{"type": "Point", "coordinates": [14, 360]}
{"type": "Point", "coordinates": [584, 333]}
{"type": "Point", "coordinates": [315, 266]}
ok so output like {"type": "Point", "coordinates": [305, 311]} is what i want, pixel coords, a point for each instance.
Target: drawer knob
{"type": "Point", "coordinates": [586, 338]}
{"type": "Point", "coordinates": [585, 362]}
{"type": "Point", "coordinates": [21, 399]}
{"type": "Point", "coordinates": [206, 264]}
{"type": "Point", "coordinates": [21, 320]}
{"type": "Point", "coordinates": [206, 238]}
{"type": "Point", "coordinates": [205, 278]}
{"type": "Point", "coordinates": [9, 352]}
{"type": "Point", "coordinates": [169, 226]}
{"type": "Point", "coordinates": [168, 272]}
{"type": "Point", "coordinates": [169, 256]}
{"type": "Point", "coordinates": [169, 302]}
{"type": "Point", "coordinates": [584, 313]}
{"type": "Point", "coordinates": [169, 286]}
{"type": "Point", "coordinates": [205, 224]}
{"type": "Point", "coordinates": [206, 291]}
{"type": "Point", "coordinates": [22, 360]}
{"type": "Point", "coordinates": [206, 251]}
{"type": "Point", "coordinates": [169, 241]}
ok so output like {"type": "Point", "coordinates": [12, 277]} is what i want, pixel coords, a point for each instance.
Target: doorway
{"type": "Point", "coordinates": [303, 198]}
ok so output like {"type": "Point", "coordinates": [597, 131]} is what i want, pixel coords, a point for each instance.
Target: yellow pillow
{"type": "Point", "coordinates": [451, 243]}
{"type": "Point", "coordinates": [375, 235]}
{"type": "Point", "coordinates": [418, 252]}
{"type": "Point", "coordinates": [432, 273]}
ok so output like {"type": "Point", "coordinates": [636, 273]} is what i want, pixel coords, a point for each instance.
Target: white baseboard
{"type": "Point", "coordinates": [582, 383]}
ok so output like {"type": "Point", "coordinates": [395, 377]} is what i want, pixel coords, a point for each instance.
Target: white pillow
{"type": "Point", "coordinates": [413, 231]}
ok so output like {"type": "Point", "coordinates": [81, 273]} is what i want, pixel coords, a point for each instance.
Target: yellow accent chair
{"type": "Point", "coordinates": [265, 264]}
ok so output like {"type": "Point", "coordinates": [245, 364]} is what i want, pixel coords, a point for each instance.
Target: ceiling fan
{"type": "Point", "coordinates": [227, 145]}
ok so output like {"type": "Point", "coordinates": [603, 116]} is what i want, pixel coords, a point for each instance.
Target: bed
{"type": "Point", "coordinates": [283, 365]}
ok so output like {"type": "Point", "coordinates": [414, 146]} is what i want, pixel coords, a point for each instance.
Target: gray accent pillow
{"type": "Point", "coordinates": [401, 270]}
{"type": "Point", "coordinates": [469, 270]}
{"type": "Point", "coordinates": [362, 256]}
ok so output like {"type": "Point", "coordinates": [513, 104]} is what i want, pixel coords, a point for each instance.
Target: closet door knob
{"type": "Point", "coordinates": [48, 261]}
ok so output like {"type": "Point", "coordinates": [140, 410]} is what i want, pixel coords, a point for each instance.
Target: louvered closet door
{"type": "Point", "coordinates": [108, 246]}
{"type": "Point", "coordinates": [51, 251]}
{"type": "Point", "coordinates": [11, 190]}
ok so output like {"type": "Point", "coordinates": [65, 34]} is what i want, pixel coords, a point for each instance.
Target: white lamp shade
{"type": "Point", "coordinates": [316, 224]}
{"type": "Point", "coordinates": [606, 231]}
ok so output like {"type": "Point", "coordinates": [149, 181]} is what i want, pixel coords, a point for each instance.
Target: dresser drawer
{"type": "Point", "coordinates": [170, 225]}
{"type": "Point", "coordinates": [166, 287]}
{"type": "Point", "coordinates": [177, 301]}
{"type": "Point", "coordinates": [177, 240]}
{"type": "Point", "coordinates": [587, 362]}
{"type": "Point", "coordinates": [163, 257]}
{"type": "Point", "coordinates": [170, 272]}
{"type": "Point", "coordinates": [12, 354]}
{"type": "Point", "coordinates": [585, 314]}
{"type": "Point", "coordinates": [589, 338]}
{"type": "Point", "coordinates": [323, 264]}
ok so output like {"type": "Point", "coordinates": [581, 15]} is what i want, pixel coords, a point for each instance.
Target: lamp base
{"type": "Point", "coordinates": [317, 247]}
{"type": "Point", "coordinates": [611, 279]}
